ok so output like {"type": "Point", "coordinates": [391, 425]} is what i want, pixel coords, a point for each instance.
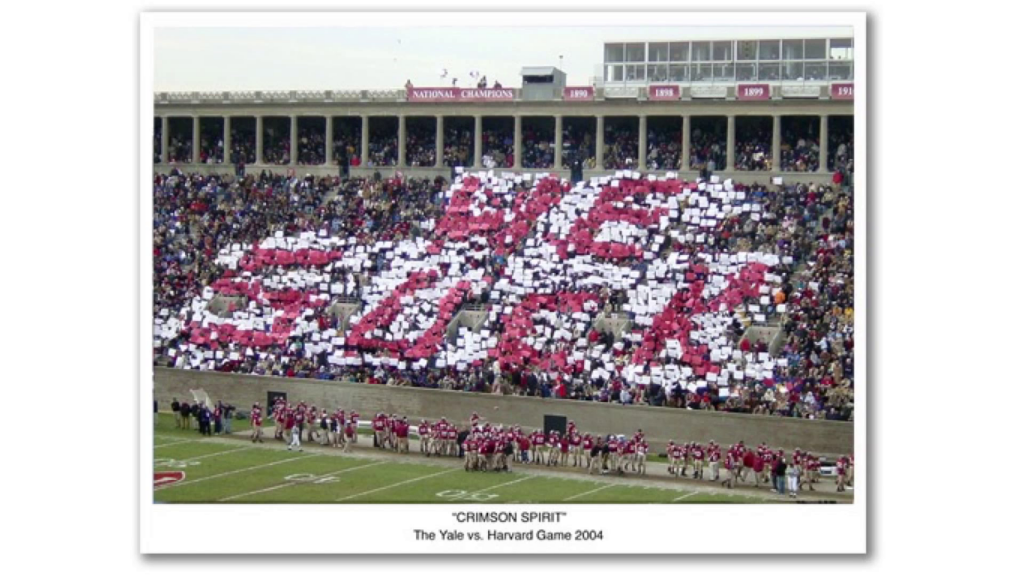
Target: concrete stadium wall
{"type": "Point", "coordinates": [659, 424]}
{"type": "Point", "coordinates": [740, 177]}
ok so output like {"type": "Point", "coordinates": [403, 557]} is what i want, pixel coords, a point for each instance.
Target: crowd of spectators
{"type": "Point", "coordinates": [754, 148]}
{"type": "Point", "coordinates": [311, 144]}
{"type": "Point", "coordinates": [707, 149]}
{"type": "Point", "coordinates": [498, 148]}
{"type": "Point", "coordinates": [179, 149]}
{"type": "Point", "coordinates": [195, 215]}
{"type": "Point", "coordinates": [664, 148]}
{"type": "Point", "coordinates": [538, 147]}
{"type": "Point", "coordinates": [157, 142]}
{"type": "Point", "coordinates": [620, 148]}
{"type": "Point", "coordinates": [458, 146]}
{"type": "Point", "coordinates": [347, 143]}
{"type": "Point", "coordinates": [799, 153]}
{"type": "Point", "coordinates": [383, 150]}
{"type": "Point", "coordinates": [808, 229]}
{"type": "Point", "coordinates": [243, 146]}
{"type": "Point", "coordinates": [276, 148]}
{"type": "Point", "coordinates": [840, 149]}
{"type": "Point", "coordinates": [420, 144]}
{"type": "Point", "coordinates": [211, 147]}
{"type": "Point", "coordinates": [578, 142]}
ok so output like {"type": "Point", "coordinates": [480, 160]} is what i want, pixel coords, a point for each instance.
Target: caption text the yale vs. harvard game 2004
{"type": "Point", "coordinates": [498, 534]}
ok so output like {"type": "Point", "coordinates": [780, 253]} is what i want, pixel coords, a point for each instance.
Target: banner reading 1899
{"type": "Point", "coordinates": [753, 92]}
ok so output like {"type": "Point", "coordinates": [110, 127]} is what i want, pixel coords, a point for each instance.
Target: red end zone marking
{"type": "Point", "coordinates": [167, 478]}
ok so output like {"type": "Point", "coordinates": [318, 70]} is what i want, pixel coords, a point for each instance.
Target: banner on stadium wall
{"type": "Point", "coordinates": [663, 92]}
{"type": "Point", "coordinates": [460, 94]}
{"type": "Point", "coordinates": [753, 92]}
{"type": "Point", "coordinates": [842, 91]}
{"type": "Point", "coordinates": [577, 93]}
{"type": "Point", "coordinates": [708, 91]}
{"type": "Point", "coordinates": [800, 91]}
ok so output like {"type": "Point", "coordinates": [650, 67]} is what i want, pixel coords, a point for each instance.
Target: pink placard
{"type": "Point", "coordinates": [577, 93]}
{"type": "Point", "coordinates": [753, 92]}
{"type": "Point", "coordinates": [843, 91]}
{"type": "Point", "coordinates": [663, 92]}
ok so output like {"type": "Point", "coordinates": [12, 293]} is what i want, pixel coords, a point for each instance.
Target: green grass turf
{"type": "Point", "coordinates": [240, 472]}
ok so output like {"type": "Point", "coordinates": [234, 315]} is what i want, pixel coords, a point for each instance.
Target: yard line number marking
{"type": "Point", "coordinates": [302, 479]}
{"type": "Point", "coordinates": [172, 463]}
{"type": "Point", "coordinates": [395, 485]}
{"type": "Point", "coordinates": [479, 495]}
{"type": "Point", "coordinates": [222, 474]}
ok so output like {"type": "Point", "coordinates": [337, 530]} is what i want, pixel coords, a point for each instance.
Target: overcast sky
{"type": "Point", "coordinates": [373, 58]}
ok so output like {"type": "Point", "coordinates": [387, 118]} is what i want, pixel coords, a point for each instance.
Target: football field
{"type": "Point", "coordinates": [189, 468]}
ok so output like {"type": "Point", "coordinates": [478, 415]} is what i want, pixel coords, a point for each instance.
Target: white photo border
{"type": "Point", "coordinates": [632, 528]}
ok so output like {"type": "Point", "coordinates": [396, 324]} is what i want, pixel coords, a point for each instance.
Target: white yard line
{"type": "Point", "coordinates": [222, 474]}
{"type": "Point", "coordinates": [685, 496]}
{"type": "Point", "coordinates": [217, 453]}
{"type": "Point", "coordinates": [173, 443]}
{"type": "Point", "coordinates": [483, 490]}
{"type": "Point", "coordinates": [589, 492]}
{"type": "Point", "coordinates": [402, 483]}
{"type": "Point", "coordinates": [287, 484]}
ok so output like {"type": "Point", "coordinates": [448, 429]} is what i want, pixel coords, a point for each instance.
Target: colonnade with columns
{"type": "Point", "coordinates": [478, 120]}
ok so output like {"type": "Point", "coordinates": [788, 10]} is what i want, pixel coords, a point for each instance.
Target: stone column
{"type": "Point", "coordinates": [599, 144]}
{"type": "Point", "coordinates": [730, 145]}
{"type": "Point", "coordinates": [329, 140]}
{"type": "Point", "coordinates": [293, 148]}
{"type": "Point", "coordinates": [517, 141]}
{"type": "Point", "coordinates": [439, 142]}
{"type": "Point", "coordinates": [401, 140]}
{"type": "Point", "coordinates": [259, 139]}
{"type": "Point", "coordinates": [165, 138]}
{"type": "Point", "coordinates": [364, 145]}
{"type": "Point", "coordinates": [478, 128]}
{"type": "Point", "coordinates": [557, 165]}
{"type": "Point", "coordinates": [777, 143]}
{"type": "Point", "coordinates": [195, 139]}
{"type": "Point", "coordinates": [684, 154]}
{"type": "Point", "coordinates": [823, 145]}
{"type": "Point", "coordinates": [227, 140]}
{"type": "Point", "coordinates": [641, 161]}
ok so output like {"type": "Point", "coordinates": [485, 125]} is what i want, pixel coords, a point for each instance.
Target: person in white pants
{"type": "Point", "coordinates": [793, 479]}
{"type": "Point", "coordinates": [296, 437]}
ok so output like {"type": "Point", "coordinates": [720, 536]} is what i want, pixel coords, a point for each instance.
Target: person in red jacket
{"type": "Point", "coordinates": [748, 463]}
{"type": "Point", "coordinates": [402, 433]}
{"type": "Point", "coordinates": [524, 449]}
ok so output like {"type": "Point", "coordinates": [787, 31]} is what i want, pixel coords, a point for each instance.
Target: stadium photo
{"type": "Point", "coordinates": [615, 267]}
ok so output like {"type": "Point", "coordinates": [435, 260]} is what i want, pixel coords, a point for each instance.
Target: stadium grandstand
{"type": "Point", "coordinates": [678, 233]}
